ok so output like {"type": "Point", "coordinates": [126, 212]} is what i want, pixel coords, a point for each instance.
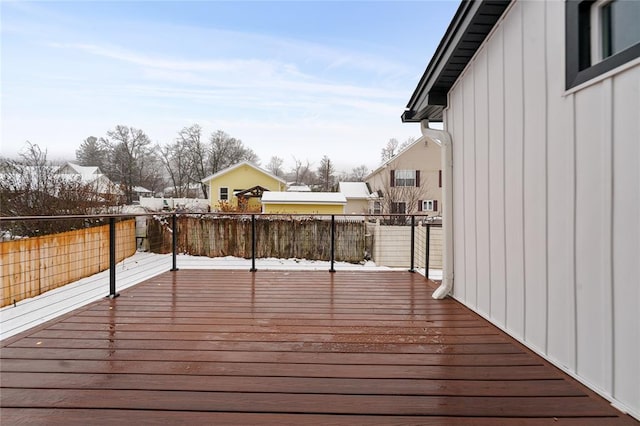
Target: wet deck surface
{"type": "Point", "coordinates": [232, 347]}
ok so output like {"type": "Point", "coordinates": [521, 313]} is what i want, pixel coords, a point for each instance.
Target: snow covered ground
{"type": "Point", "coordinates": [140, 267]}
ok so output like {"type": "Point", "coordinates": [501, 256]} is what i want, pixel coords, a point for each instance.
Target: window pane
{"type": "Point", "coordinates": [405, 178]}
{"type": "Point", "coordinates": [620, 26]}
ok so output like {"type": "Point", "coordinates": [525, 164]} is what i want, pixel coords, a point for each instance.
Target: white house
{"type": "Point", "coordinates": [91, 176]}
{"type": "Point", "coordinates": [540, 103]}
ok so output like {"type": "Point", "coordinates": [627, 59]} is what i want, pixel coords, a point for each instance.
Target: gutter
{"type": "Point", "coordinates": [443, 139]}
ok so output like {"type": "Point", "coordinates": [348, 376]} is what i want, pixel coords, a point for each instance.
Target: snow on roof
{"type": "Point", "coordinates": [82, 170]}
{"type": "Point", "coordinates": [353, 190]}
{"type": "Point", "coordinates": [237, 165]}
{"type": "Point", "coordinates": [303, 197]}
{"type": "Point", "coordinates": [299, 188]}
{"type": "Point", "coordinates": [141, 189]}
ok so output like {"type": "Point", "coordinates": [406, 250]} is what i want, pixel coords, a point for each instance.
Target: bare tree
{"type": "Point", "coordinates": [390, 150]}
{"type": "Point", "coordinates": [275, 166]}
{"type": "Point", "coordinates": [226, 151]}
{"type": "Point", "coordinates": [301, 172]}
{"type": "Point", "coordinates": [358, 173]}
{"type": "Point", "coordinates": [133, 159]}
{"type": "Point", "coordinates": [32, 186]}
{"type": "Point", "coordinates": [197, 152]}
{"type": "Point", "coordinates": [176, 160]}
{"type": "Point", "coordinates": [325, 173]}
{"type": "Point", "coordinates": [393, 148]}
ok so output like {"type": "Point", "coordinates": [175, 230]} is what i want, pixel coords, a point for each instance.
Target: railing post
{"type": "Point", "coordinates": [333, 238]}
{"type": "Point", "coordinates": [413, 243]}
{"type": "Point", "coordinates": [174, 241]}
{"type": "Point", "coordinates": [426, 252]}
{"type": "Point", "coordinates": [253, 243]}
{"type": "Point", "coordinates": [112, 258]}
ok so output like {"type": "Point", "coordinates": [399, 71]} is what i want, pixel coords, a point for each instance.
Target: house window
{"type": "Point", "coordinates": [400, 207]}
{"type": "Point", "coordinates": [600, 36]}
{"type": "Point", "coordinates": [405, 178]}
{"type": "Point", "coordinates": [429, 205]}
{"type": "Point", "coordinates": [224, 194]}
{"type": "Point", "coordinates": [377, 207]}
{"type": "Point", "coordinates": [618, 26]}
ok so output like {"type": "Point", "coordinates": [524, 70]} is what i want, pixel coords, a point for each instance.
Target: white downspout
{"type": "Point", "coordinates": [443, 139]}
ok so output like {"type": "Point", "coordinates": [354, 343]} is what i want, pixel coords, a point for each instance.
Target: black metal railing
{"type": "Point", "coordinates": [36, 264]}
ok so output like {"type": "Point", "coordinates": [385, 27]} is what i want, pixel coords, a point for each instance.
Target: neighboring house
{"type": "Point", "coordinates": [242, 183]}
{"type": "Point", "coordinates": [358, 197]}
{"type": "Point", "coordinates": [540, 102]}
{"type": "Point", "coordinates": [140, 192]}
{"type": "Point", "coordinates": [192, 190]}
{"type": "Point", "coordinates": [303, 202]}
{"type": "Point", "coordinates": [410, 182]}
{"type": "Point", "coordinates": [92, 177]}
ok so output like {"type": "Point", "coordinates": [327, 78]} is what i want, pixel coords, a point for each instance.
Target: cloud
{"type": "Point", "coordinates": [282, 96]}
{"type": "Point", "coordinates": [235, 79]}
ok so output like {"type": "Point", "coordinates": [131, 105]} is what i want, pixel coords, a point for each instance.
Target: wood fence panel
{"type": "Point", "coordinates": [32, 266]}
{"type": "Point", "coordinates": [281, 238]}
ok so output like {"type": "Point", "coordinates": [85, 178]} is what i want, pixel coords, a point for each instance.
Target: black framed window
{"type": "Point", "coordinates": [600, 36]}
{"type": "Point", "coordinates": [399, 207]}
{"type": "Point", "coordinates": [224, 194]}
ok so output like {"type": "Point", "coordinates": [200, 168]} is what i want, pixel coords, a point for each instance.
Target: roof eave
{"type": "Point", "coordinates": [468, 29]}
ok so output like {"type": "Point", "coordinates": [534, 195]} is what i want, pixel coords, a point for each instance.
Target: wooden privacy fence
{"type": "Point", "coordinates": [276, 237]}
{"type": "Point", "coordinates": [32, 266]}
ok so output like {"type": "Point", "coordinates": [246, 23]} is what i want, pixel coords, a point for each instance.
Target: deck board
{"type": "Point", "coordinates": [271, 347]}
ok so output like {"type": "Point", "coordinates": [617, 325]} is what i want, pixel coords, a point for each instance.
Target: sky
{"type": "Point", "coordinates": [294, 79]}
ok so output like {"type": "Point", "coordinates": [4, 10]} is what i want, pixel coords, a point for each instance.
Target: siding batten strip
{"type": "Point", "coordinates": [546, 183]}
{"type": "Point", "coordinates": [475, 179]}
{"type": "Point", "coordinates": [522, 181]}
{"type": "Point", "coordinates": [504, 185]}
{"type": "Point", "coordinates": [464, 200]}
{"type": "Point", "coordinates": [607, 205]}
{"type": "Point", "coordinates": [575, 232]}
{"type": "Point", "coordinates": [489, 179]}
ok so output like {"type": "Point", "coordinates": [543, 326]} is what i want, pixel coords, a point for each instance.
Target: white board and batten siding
{"type": "Point", "coordinates": [546, 191]}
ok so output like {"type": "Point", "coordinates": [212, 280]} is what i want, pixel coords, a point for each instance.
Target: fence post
{"type": "Point", "coordinates": [174, 241]}
{"type": "Point", "coordinates": [253, 243]}
{"type": "Point", "coordinates": [426, 252]}
{"type": "Point", "coordinates": [112, 258]}
{"type": "Point", "coordinates": [413, 242]}
{"type": "Point", "coordinates": [333, 238]}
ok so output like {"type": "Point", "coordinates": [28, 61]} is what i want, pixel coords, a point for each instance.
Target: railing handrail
{"type": "Point", "coordinates": [169, 213]}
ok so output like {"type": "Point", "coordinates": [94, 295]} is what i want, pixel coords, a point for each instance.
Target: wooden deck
{"type": "Point", "coordinates": [232, 347]}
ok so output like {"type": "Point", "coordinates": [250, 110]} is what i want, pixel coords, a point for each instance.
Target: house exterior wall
{"type": "Point", "coordinates": [422, 156]}
{"type": "Point", "coordinates": [243, 177]}
{"type": "Point", "coordinates": [356, 206]}
{"type": "Point", "coordinates": [546, 188]}
{"type": "Point", "coordinates": [303, 208]}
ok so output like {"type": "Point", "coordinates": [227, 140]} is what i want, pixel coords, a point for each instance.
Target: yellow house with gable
{"type": "Point", "coordinates": [240, 187]}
